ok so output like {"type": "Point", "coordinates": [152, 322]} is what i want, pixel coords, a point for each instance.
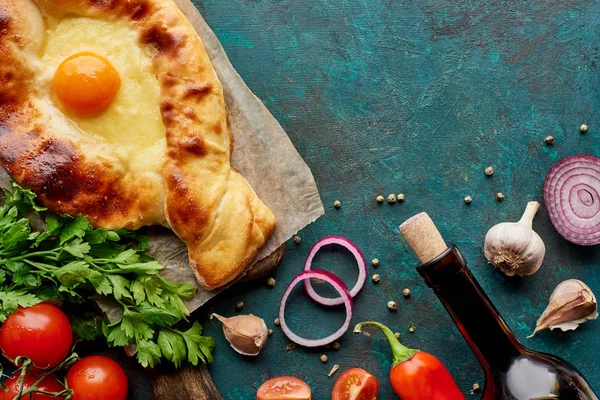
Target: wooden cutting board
{"type": "Point", "coordinates": [195, 382]}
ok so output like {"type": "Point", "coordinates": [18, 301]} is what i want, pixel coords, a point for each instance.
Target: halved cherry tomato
{"type": "Point", "coordinates": [284, 388]}
{"type": "Point", "coordinates": [49, 384]}
{"type": "Point", "coordinates": [97, 378]}
{"type": "Point", "coordinates": [355, 384]}
{"type": "Point", "coordinates": [42, 333]}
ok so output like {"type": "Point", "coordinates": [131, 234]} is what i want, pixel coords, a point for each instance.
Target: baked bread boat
{"type": "Point", "coordinates": [157, 153]}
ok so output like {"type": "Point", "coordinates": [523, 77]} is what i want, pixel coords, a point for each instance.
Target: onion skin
{"type": "Point", "coordinates": [360, 262]}
{"type": "Point", "coordinates": [339, 286]}
{"type": "Point", "coordinates": [572, 198]}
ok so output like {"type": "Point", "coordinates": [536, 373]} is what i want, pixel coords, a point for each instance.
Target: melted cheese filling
{"type": "Point", "coordinates": [132, 125]}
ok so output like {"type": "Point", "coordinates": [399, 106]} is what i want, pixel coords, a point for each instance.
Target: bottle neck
{"type": "Point", "coordinates": [472, 311]}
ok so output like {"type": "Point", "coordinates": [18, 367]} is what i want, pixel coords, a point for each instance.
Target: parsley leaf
{"type": "Point", "coordinates": [148, 353]}
{"type": "Point", "coordinates": [172, 345]}
{"type": "Point", "coordinates": [22, 199]}
{"type": "Point", "coordinates": [72, 273]}
{"type": "Point", "coordinates": [199, 347]}
{"type": "Point", "coordinates": [128, 256]}
{"type": "Point", "coordinates": [136, 325]}
{"type": "Point", "coordinates": [76, 248]}
{"type": "Point", "coordinates": [52, 224]}
{"type": "Point", "coordinates": [164, 316]}
{"type": "Point", "coordinates": [11, 301]}
{"type": "Point", "coordinates": [148, 268]}
{"type": "Point", "coordinates": [120, 287]}
{"type": "Point", "coordinates": [101, 283]}
{"type": "Point", "coordinates": [73, 228]}
{"type": "Point", "coordinates": [117, 336]}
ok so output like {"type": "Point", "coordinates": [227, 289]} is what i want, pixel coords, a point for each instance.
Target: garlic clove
{"type": "Point", "coordinates": [571, 303]}
{"type": "Point", "coordinates": [247, 334]}
{"type": "Point", "coordinates": [514, 247]}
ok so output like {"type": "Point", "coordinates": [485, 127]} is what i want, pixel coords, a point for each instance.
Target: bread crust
{"type": "Point", "coordinates": [208, 204]}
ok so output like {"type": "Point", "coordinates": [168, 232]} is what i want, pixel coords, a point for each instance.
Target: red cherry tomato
{"type": "Point", "coordinates": [97, 378]}
{"type": "Point", "coordinates": [355, 384]}
{"type": "Point", "coordinates": [42, 333]}
{"type": "Point", "coordinates": [284, 388]}
{"type": "Point", "coordinates": [49, 384]}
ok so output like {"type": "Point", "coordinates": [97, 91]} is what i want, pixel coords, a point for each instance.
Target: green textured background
{"type": "Point", "coordinates": [389, 96]}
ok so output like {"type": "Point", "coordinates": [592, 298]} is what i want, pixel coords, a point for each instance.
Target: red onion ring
{"type": "Point", "coordinates": [572, 197]}
{"type": "Point", "coordinates": [360, 261]}
{"type": "Point", "coordinates": [339, 286]}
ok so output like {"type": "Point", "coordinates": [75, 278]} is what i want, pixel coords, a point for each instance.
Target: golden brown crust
{"type": "Point", "coordinates": [206, 203]}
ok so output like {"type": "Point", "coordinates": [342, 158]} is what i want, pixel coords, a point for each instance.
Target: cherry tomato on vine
{"type": "Point", "coordinates": [42, 333]}
{"type": "Point", "coordinates": [97, 378]}
{"type": "Point", "coordinates": [49, 384]}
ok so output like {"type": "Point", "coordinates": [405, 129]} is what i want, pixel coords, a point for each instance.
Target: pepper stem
{"type": "Point", "coordinates": [530, 211]}
{"type": "Point", "coordinates": [400, 352]}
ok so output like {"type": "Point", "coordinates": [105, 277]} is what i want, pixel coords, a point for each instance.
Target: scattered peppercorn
{"type": "Point", "coordinates": [489, 171]}
{"type": "Point", "coordinates": [337, 204]}
{"type": "Point", "coordinates": [376, 278]}
{"type": "Point", "coordinates": [271, 282]}
{"type": "Point", "coordinates": [549, 140]}
{"type": "Point", "coordinates": [406, 292]}
{"type": "Point", "coordinates": [476, 387]}
{"type": "Point", "coordinates": [333, 370]}
{"type": "Point", "coordinates": [468, 199]}
{"type": "Point", "coordinates": [380, 199]}
{"type": "Point", "coordinates": [397, 334]}
{"type": "Point", "coordinates": [499, 196]}
{"type": "Point", "coordinates": [337, 345]}
{"type": "Point", "coordinates": [411, 328]}
{"type": "Point", "coordinates": [290, 347]}
{"type": "Point", "coordinates": [276, 322]}
{"type": "Point", "coordinates": [375, 262]}
{"type": "Point", "coordinates": [297, 239]}
{"type": "Point", "coordinates": [583, 128]}
{"type": "Point", "coordinates": [401, 197]}
{"type": "Point", "coordinates": [392, 306]}
{"type": "Point", "coordinates": [324, 358]}
{"type": "Point", "coordinates": [239, 305]}
{"type": "Point", "coordinates": [270, 332]}
{"type": "Point", "coordinates": [392, 198]}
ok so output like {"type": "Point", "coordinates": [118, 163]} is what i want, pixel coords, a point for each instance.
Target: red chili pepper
{"type": "Point", "coordinates": [416, 375]}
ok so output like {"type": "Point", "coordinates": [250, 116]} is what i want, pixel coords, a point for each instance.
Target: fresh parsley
{"type": "Point", "coordinates": [71, 261]}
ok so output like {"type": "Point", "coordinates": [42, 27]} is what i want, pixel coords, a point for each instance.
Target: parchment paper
{"type": "Point", "coordinates": [262, 153]}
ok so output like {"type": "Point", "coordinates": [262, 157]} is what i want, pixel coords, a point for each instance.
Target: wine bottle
{"type": "Point", "coordinates": [511, 370]}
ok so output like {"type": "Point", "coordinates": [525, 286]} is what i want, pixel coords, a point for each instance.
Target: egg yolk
{"type": "Point", "coordinates": [86, 83]}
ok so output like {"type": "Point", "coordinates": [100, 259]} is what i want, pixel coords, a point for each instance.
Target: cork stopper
{"type": "Point", "coordinates": [423, 237]}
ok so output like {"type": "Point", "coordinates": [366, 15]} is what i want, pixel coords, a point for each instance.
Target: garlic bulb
{"type": "Point", "coordinates": [247, 334]}
{"type": "Point", "coordinates": [514, 247]}
{"type": "Point", "coordinates": [571, 303]}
